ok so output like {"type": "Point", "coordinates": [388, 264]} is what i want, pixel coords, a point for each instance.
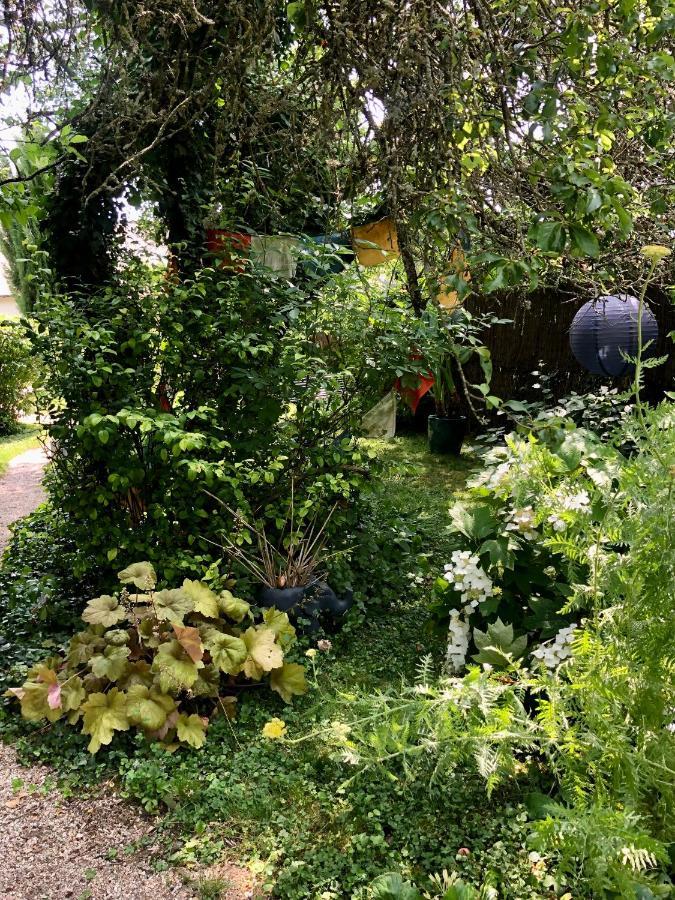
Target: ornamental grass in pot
{"type": "Point", "coordinates": [290, 570]}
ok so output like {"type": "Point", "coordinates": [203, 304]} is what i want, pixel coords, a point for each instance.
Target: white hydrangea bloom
{"type": "Point", "coordinates": [557, 650]}
{"type": "Point", "coordinates": [557, 523]}
{"type": "Point", "coordinates": [522, 521]}
{"type": "Point", "coordinates": [464, 572]}
{"type": "Point", "coordinates": [458, 643]}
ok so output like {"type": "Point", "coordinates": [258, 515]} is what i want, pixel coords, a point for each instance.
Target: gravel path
{"type": "Point", "coordinates": [88, 848]}
{"type": "Point", "coordinates": [20, 489]}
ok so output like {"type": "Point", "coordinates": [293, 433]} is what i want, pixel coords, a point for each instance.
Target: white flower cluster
{"type": "Point", "coordinates": [415, 578]}
{"type": "Point", "coordinates": [522, 521]}
{"type": "Point", "coordinates": [579, 502]}
{"type": "Point", "coordinates": [465, 573]}
{"type": "Point", "coordinates": [557, 522]}
{"type": "Point", "coordinates": [458, 642]}
{"type": "Point", "coordinates": [556, 651]}
{"type": "Point", "coordinates": [576, 502]}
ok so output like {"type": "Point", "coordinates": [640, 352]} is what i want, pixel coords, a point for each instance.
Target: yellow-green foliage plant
{"type": "Point", "coordinates": [156, 660]}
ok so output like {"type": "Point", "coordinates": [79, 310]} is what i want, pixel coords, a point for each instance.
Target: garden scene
{"type": "Point", "coordinates": [337, 449]}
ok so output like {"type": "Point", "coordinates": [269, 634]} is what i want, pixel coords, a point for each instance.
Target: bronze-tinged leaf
{"type": "Point", "coordinates": [190, 641]}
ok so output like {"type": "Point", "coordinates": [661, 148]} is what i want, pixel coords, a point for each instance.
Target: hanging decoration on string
{"type": "Point", "coordinates": [604, 334]}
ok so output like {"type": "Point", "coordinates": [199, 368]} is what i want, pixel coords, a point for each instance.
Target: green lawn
{"type": "Point", "coordinates": [27, 439]}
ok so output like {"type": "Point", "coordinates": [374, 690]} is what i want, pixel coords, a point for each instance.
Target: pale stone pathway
{"type": "Point", "coordinates": [20, 489]}
{"type": "Point", "coordinates": [99, 847]}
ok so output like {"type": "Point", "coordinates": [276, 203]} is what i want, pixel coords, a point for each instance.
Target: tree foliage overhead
{"type": "Point", "coordinates": [542, 133]}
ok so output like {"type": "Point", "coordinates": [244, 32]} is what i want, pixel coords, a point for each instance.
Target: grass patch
{"type": "Point", "coordinates": [14, 444]}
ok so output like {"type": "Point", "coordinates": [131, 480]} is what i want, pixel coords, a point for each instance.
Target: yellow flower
{"type": "Point", "coordinates": [274, 729]}
{"type": "Point", "coordinates": [311, 653]}
{"type": "Point", "coordinates": [655, 252]}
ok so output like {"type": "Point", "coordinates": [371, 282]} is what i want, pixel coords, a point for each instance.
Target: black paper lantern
{"type": "Point", "coordinates": [605, 330]}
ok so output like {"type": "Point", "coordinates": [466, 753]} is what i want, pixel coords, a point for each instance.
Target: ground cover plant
{"type": "Point", "coordinates": [149, 657]}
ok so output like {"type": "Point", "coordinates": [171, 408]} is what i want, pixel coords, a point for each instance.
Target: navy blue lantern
{"type": "Point", "coordinates": [605, 331]}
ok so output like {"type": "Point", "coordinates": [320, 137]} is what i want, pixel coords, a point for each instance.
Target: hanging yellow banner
{"type": "Point", "coordinates": [376, 242]}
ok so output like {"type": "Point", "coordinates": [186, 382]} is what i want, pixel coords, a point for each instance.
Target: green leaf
{"type": "Point", "coordinates": [207, 683]}
{"type": "Point", "coordinates": [296, 13]}
{"type": "Point", "coordinates": [584, 241]}
{"type": "Point", "coordinates": [172, 605]}
{"type": "Point", "coordinates": [289, 680]}
{"type": "Point", "coordinates": [137, 672]}
{"type": "Point", "coordinates": [392, 887]}
{"type": "Point", "coordinates": [203, 598]}
{"type": "Point", "coordinates": [263, 653]}
{"type": "Point", "coordinates": [191, 730]}
{"type": "Point", "coordinates": [103, 715]}
{"type": "Point", "coordinates": [227, 651]}
{"type": "Point", "coordinates": [497, 646]}
{"type": "Point", "coordinates": [72, 693]}
{"type": "Point", "coordinates": [174, 667]}
{"type": "Point", "coordinates": [84, 645]}
{"type": "Point", "coordinates": [499, 552]}
{"type": "Point", "coordinates": [280, 624]}
{"type": "Point", "coordinates": [148, 707]}
{"type": "Point", "coordinates": [104, 611]}
{"type": "Point", "coordinates": [548, 236]}
{"type": "Point", "coordinates": [475, 523]}
{"type": "Point", "coordinates": [111, 664]}
{"type": "Point", "coordinates": [233, 607]}
{"type": "Point", "coordinates": [141, 574]}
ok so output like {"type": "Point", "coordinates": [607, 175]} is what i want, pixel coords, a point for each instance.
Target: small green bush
{"type": "Point", "coordinates": [18, 370]}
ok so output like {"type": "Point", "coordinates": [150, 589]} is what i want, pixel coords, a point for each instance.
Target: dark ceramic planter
{"type": "Point", "coordinates": [446, 434]}
{"type": "Point", "coordinates": [307, 602]}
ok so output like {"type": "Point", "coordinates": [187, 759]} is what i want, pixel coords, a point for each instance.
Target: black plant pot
{"type": "Point", "coordinates": [446, 434]}
{"type": "Point", "coordinates": [307, 602]}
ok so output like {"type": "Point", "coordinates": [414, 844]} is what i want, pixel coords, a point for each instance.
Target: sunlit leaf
{"type": "Point", "coordinates": [289, 680]}
{"type": "Point", "coordinates": [174, 667]}
{"type": "Point", "coordinates": [233, 607]}
{"type": "Point", "coordinates": [203, 598]}
{"type": "Point", "coordinates": [172, 605]}
{"type": "Point", "coordinates": [148, 707]}
{"type": "Point", "coordinates": [104, 714]}
{"type": "Point", "coordinates": [141, 575]}
{"type": "Point", "coordinates": [191, 730]}
{"type": "Point", "coordinates": [104, 611]}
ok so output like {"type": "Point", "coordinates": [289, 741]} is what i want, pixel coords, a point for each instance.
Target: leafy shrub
{"type": "Point", "coordinates": [166, 388]}
{"type": "Point", "coordinates": [40, 598]}
{"type": "Point", "coordinates": [150, 658]}
{"type": "Point", "coordinates": [510, 585]}
{"type": "Point", "coordinates": [18, 371]}
{"type": "Point", "coordinates": [599, 725]}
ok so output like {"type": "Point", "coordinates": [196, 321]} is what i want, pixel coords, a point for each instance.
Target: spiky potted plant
{"type": "Point", "coordinates": [290, 570]}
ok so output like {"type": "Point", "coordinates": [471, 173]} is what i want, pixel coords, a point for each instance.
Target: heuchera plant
{"type": "Point", "coordinates": [159, 661]}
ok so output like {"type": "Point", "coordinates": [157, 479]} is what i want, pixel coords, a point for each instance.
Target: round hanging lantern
{"type": "Point", "coordinates": [605, 331]}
